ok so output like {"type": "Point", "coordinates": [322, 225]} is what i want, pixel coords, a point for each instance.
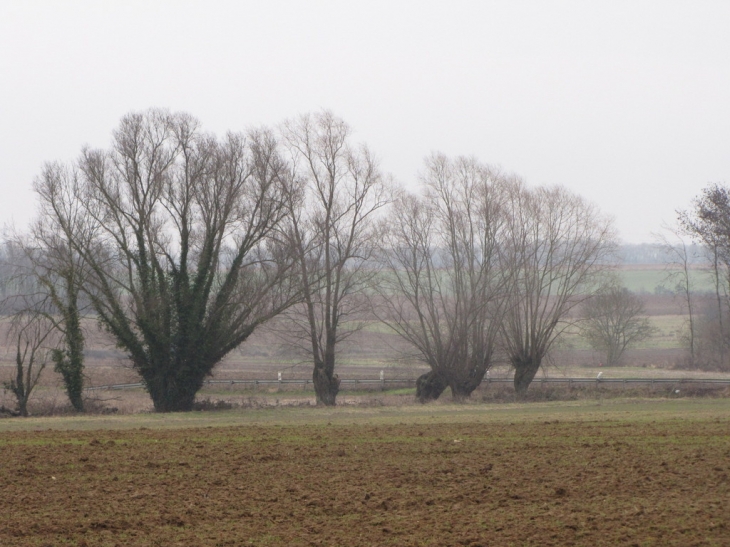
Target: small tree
{"type": "Point", "coordinates": [678, 271]}
{"type": "Point", "coordinates": [708, 223]}
{"type": "Point", "coordinates": [29, 331]}
{"type": "Point", "coordinates": [51, 273]}
{"type": "Point", "coordinates": [613, 320]}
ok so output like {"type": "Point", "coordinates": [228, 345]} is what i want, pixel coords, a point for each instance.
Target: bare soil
{"type": "Point", "coordinates": [555, 483]}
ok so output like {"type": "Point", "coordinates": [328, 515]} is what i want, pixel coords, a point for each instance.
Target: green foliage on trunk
{"type": "Point", "coordinates": [178, 235]}
{"type": "Point", "coordinates": [69, 360]}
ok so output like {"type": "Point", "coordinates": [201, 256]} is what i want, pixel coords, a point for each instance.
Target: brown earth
{"type": "Point", "coordinates": [556, 483]}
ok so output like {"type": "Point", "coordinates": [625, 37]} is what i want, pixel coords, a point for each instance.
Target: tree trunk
{"type": "Point", "coordinates": [326, 385]}
{"type": "Point", "coordinates": [462, 390]}
{"type": "Point", "coordinates": [719, 308]}
{"type": "Point", "coordinates": [612, 356]}
{"type": "Point", "coordinates": [174, 392]}
{"type": "Point", "coordinates": [525, 371]}
{"type": "Point", "coordinates": [23, 407]}
{"type": "Point", "coordinates": [690, 314]}
{"type": "Point", "coordinates": [19, 387]}
{"type": "Point", "coordinates": [468, 380]}
{"type": "Point", "coordinates": [430, 386]}
{"type": "Point", "coordinates": [69, 362]}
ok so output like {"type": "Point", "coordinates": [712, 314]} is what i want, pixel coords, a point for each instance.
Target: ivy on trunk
{"type": "Point", "coordinates": [182, 249]}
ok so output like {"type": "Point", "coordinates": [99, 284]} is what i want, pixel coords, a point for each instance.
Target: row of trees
{"type": "Point", "coordinates": [707, 224]}
{"type": "Point", "coordinates": [480, 263]}
{"type": "Point", "coordinates": [182, 244]}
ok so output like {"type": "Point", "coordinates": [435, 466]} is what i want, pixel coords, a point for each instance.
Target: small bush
{"type": "Point", "coordinates": [208, 405]}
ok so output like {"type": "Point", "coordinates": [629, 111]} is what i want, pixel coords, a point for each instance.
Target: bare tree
{"type": "Point", "coordinates": [709, 224]}
{"type": "Point", "coordinates": [335, 191]}
{"type": "Point", "coordinates": [613, 319]}
{"type": "Point", "coordinates": [29, 332]}
{"type": "Point", "coordinates": [678, 273]}
{"type": "Point", "coordinates": [181, 250]}
{"type": "Point", "coordinates": [557, 244]}
{"type": "Point", "coordinates": [53, 275]}
{"type": "Point", "coordinates": [6, 271]}
{"type": "Point", "coordinates": [444, 284]}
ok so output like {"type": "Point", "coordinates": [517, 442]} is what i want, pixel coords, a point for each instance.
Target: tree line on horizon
{"type": "Point", "coordinates": [182, 243]}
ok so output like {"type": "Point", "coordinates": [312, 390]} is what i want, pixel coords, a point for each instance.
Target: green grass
{"type": "Point", "coordinates": [649, 280]}
{"type": "Point", "coordinates": [630, 410]}
{"type": "Point", "coordinates": [668, 335]}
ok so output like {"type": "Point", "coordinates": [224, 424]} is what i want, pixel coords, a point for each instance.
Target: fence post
{"type": "Point", "coordinates": [382, 380]}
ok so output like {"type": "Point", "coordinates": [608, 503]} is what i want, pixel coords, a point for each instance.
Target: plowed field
{"type": "Point", "coordinates": [557, 483]}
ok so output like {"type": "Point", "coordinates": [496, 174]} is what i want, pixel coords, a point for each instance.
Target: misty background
{"type": "Point", "coordinates": [622, 102]}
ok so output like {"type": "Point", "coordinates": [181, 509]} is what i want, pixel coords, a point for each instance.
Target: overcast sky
{"type": "Point", "coordinates": [626, 103]}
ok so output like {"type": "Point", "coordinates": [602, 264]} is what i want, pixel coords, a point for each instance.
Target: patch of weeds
{"type": "Point", "coordinates": [208, 405]}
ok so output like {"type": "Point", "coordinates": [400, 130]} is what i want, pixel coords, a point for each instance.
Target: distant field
{"type": "Point", "coordinates": [622, 473]}
{"type": "Point", "coordinates": [653, 278]}
{"type": "Point", "coordinates": [668, 334]}
{"type": "Point", "coordinates": [377, 348]}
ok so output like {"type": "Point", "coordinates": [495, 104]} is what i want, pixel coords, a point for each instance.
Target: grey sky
{"type": "Point", "coordinates": [626, 103]}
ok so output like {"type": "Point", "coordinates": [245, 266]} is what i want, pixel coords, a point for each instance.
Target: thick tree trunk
{"type": "Point", "coordinates": [464, 385]}
{"type": "Point", "coordinates": [525, 371]}
{"type": "Point", "coordinates": [19, 387]}
{"type": "Point", "coordinates": [174, 392]}
{"type": "Point", "coordinates": [75, 396]}
{"type": "Point", "coordinates": [71, 366]}
{"type": "Point", "coordinates": [462, 390]}
{"type": "Point", "coordinates": [430, 386]}
{"type": "Point", "coordinates": [69, 361]}
{"type": "Point", "coordinates": [326, 385]}
{"type": "Point", "coordinates": [326, 382]}
{"type": "Point", "coordinates": [613, 356]}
